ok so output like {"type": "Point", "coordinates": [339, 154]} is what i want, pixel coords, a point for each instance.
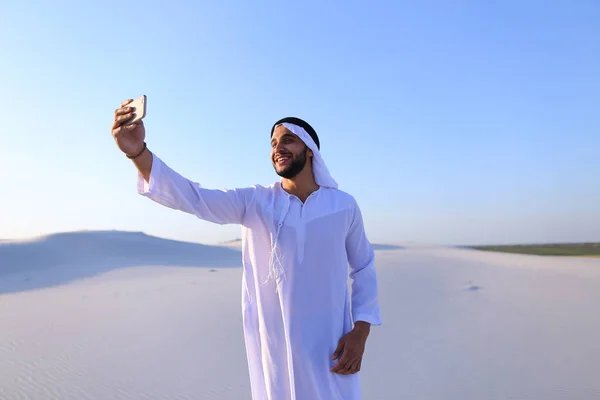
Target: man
{"type": "Point", "coordinates": [304, 341]}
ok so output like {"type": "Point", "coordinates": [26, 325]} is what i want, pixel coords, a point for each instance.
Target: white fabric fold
{"type": "Point", "coordinates": [320, 171]}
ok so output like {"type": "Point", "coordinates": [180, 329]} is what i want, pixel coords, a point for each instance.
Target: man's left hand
{"type": "Point", "coordinates": [351, 347]}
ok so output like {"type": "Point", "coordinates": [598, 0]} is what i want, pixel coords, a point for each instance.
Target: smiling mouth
{"type": "Point", "coordinates": [282, 159]}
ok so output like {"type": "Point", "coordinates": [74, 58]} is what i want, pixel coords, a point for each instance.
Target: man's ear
{"type": "Point", "coordinates": [310, 153]}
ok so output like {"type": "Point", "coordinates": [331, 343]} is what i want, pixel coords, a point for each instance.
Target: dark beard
{"type": "Point", "coordinates": [295, 167]}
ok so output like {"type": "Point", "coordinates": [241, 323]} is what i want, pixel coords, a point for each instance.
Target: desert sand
{"type": "Point", "coordinates": [122, 315]}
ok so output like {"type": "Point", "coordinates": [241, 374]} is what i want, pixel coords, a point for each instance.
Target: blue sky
{"type": "Point", "coordinates": [450, 122]}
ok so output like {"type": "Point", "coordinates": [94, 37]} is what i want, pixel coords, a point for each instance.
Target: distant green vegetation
{"type": "Point", "coordinates": [551, 249]}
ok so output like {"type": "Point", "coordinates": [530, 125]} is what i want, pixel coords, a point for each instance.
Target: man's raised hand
{"type": "Point", "coordinates": [129, 138]}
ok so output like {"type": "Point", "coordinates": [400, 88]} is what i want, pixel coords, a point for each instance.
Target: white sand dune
{"type": "Point", "coordinates": [111, 315]}
{"type": "Point", "coordinates": [66, 257]}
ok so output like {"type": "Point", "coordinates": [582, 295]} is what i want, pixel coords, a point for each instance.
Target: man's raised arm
{"type": "Point", "coordinates": [165, 186]}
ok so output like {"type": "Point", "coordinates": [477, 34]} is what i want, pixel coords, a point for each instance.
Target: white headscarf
{"type": "Point", "coordinates": [322, 178]}
{"type": "Point", "coordinates": [320, 171]}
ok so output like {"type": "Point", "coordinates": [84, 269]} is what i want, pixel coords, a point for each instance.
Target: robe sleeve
{"type": "Point", "coordinates": [172, 190]}
{"type": "Point", "coordinates": [361, 258]}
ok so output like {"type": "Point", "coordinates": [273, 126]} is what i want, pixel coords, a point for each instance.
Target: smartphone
{"type": "Point", "coordinates": [139, 109]}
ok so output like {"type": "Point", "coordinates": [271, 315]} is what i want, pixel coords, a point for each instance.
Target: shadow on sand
{"type": "Point", "coordinates": [386, 247]}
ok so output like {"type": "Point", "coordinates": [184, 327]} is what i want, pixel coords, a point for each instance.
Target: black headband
{"type": "Point", "coordinates": [297, 121]}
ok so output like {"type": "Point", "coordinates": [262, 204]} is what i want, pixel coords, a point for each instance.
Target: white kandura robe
{"type": "Point", "coordinates": [292, 328]}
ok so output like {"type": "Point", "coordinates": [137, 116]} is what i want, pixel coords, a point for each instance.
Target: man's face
{"type": "Point", "coordinates": [288, 153]}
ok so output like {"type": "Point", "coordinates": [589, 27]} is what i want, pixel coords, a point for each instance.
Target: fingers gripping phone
{"type": "Point", "coordinates": [139, 109]}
